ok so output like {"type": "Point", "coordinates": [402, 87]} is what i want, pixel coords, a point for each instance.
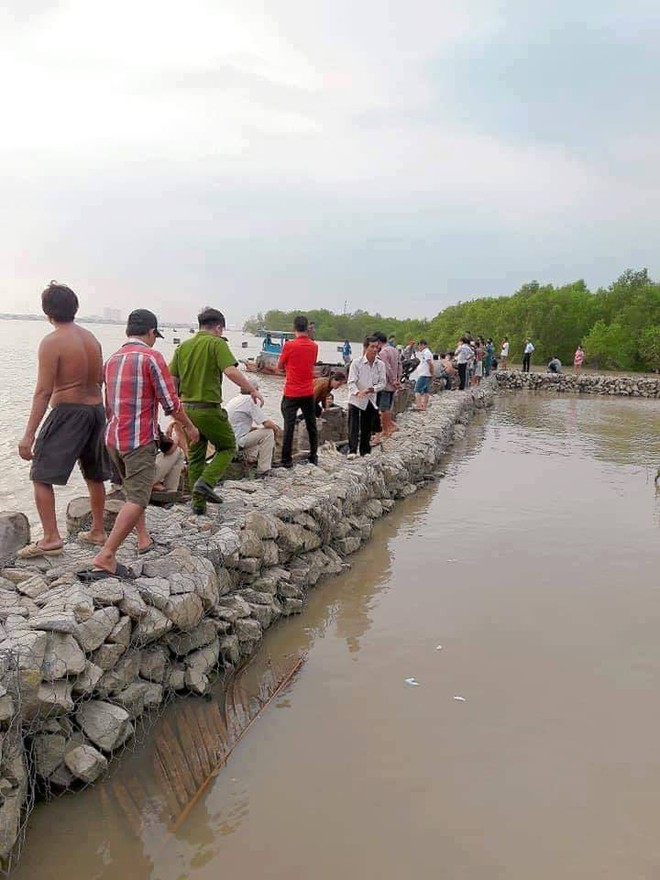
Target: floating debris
{"type": "Point", "coordinates": [460, 699]}
{"type": "Point", "coordinates": [438, 647]}
{"type": "Point", "coordinates": [412, 682]}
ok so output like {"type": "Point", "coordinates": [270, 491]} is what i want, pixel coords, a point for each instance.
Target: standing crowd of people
{"type": "Point", "coordinates": [105, 416]}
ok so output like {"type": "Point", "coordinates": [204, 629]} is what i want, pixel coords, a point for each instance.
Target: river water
{"type": "Point", "coordinates": [524, 582]}
{"type": "Point", "coordinates": [19, 341]}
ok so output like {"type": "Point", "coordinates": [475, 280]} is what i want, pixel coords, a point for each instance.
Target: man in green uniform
{"type": "Point", "coordinates": [198, 366]}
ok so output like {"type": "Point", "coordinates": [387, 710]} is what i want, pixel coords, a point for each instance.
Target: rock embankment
{"type": "Point", "coordinates": [81, 665]}
{"type": "Point", "coordinates": [582, 383]}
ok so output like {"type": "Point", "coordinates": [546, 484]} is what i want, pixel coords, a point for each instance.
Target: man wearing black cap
{"type": "Point", "coordinates": [137, 380]}
{"type": "Point", "coordinates": [198, 366]}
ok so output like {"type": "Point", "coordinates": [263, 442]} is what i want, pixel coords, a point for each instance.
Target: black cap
{"type": "Point", "coordinates": [140, 322]}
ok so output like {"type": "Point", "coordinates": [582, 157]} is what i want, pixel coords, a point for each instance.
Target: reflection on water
{"type": "Point", "coordinates": [534, 565]}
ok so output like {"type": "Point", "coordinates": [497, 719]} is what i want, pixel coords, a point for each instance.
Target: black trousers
{"type": "Point", "coordinates": [462, 376]}
{"type": "Point", "coordinates": [360, 427]}
{"type": "Point", "coordinates": [290, 407]}
{"type": "Point", "coordinates": [526, 359]}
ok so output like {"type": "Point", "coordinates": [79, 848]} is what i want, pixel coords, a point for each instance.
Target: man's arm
{"type": "Point", "coordinates": [48, 361]}
{"type": "Point", "coordinates": [167, 396]}
{"type": "Point", "coordinates": [352, 383]}
{"type": "Point", "coordinates": [243, 383]}
{"type": "Point", "coordinates": [381, 378]}
{"type": "Point", "coordinates": [267, 423]}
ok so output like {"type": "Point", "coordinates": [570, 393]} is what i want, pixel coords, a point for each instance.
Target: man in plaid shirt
{"type": "Point", "coordinates": [137, 380]}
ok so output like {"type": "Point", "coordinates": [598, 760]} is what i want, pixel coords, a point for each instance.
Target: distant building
{"type": "Point", "coordinates": [112, 315]}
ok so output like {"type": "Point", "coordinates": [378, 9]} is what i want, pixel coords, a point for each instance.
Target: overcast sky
{"type": "Point", "coordinates": [397, 155]}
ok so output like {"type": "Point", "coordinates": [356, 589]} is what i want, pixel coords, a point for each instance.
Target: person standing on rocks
{"type": "Point", "coordinates": [137, 380]}
{"type": "Point", "coordinates": [366, 378]}
{"type": "Point", "coordinates": [385, 398]}
{"type": "Point", "coordinates": [527, 355]}
{"type": "Point", "coordinates": [198, 366]}
{"type": "Point", "coordinates": [578, 359]}
{"type": "Point", "coordinates": [504, 354]}
{"type": "Point", "coordinates": [464, 356]}
{"type": "Point", "coordinates": [69, 379]}
{"type": "Point", "coordinates": [423, 375]}
{"type": "Point", "coordinates": [297, 359]}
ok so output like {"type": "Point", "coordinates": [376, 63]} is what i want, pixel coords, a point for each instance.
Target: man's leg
{"type": "Point", "coordinates": [309, 412]}
{"type": "Point", "coordinates": [262, 443]}
{"type": "Point", "coordinates": [353, 427]}
{"type": "Point", "coordinates": [139, 468]}
{"type": "Point", "coordinates": [367, 422]}
{"type": "Point", "coordinates": [44, 498]}
{"type": "Point", "coordinates": [220, 434]}
{"type": "Point", "coordinates": [97, 503]}
{"type": "Point", "coordinates": [289, 408]}
{"type": "Point", "coordinates": [168, 469]}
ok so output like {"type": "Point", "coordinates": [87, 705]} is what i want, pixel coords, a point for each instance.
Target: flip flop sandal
{"type": "Point", "coordinates": [91, 575]}
{"type": "Point", "coordinates": [34, 551]}
{"type": "Point", "coordinates": [142, 550]}
{"type": "Point", "coordinates": [85, 538]}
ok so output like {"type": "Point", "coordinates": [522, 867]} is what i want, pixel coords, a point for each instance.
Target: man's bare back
{"type": "Point", "coordinates": [72, 356]}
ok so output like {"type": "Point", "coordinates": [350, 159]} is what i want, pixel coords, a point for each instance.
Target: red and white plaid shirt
{"type": "Point", "coordinates": [137, 379]}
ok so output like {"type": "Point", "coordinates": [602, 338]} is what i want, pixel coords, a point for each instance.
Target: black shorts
{"type": "Point", "coordinates": [385, 400]}
{"type": "Point", "coordinates": [73, 432]}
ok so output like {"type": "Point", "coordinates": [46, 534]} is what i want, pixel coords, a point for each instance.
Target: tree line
{"type": "Point", "coordinates": [618, 326]}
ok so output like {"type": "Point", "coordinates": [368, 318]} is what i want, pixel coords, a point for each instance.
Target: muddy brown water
{"type": "Point", "coordinates": [534, 564]}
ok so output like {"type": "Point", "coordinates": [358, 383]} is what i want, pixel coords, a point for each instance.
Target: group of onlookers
{"type": "Point", "coordinates": [117, 435]}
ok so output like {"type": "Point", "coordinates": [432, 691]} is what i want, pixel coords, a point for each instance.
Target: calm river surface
{"type": "Point", "coordinates": [534, 564]}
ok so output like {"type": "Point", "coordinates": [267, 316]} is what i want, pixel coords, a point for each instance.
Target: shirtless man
{"type": "Point", "coordinates": [69, 379]}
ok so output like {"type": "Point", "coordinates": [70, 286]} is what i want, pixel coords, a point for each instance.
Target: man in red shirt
{"type": "Point", "coordinates": [137, 380]}
{"type": "Point", "coordinates": [298, 358]}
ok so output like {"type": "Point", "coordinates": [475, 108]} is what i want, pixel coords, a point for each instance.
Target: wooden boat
{"type": "Point", "coordinates": [271, 349]}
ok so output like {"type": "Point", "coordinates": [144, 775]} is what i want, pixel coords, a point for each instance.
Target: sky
{"type": "Point", "coordinates": [391, 156]}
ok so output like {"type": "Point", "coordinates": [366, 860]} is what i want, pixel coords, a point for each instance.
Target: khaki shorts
{"type": "Point", "coordinates": [137, 470]}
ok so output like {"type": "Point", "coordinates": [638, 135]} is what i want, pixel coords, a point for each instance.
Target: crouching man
{"type": "Point", "coordinates": [254, 433]}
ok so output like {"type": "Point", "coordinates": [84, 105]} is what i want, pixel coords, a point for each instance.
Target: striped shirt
{"type": "Point", "coordinates": [137, 379]}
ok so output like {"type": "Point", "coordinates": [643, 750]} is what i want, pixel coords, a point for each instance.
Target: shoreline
{"type": "Point", "coordinates": [81, 664]}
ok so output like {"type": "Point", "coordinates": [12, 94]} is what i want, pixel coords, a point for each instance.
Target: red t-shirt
{"type": "Point", "coordinates": [298, 358]}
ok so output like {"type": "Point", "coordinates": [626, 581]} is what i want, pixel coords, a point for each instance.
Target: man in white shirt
{"type": "Point", "coordinates": [504, 354]}
{"type": "Point", "coordinates": [366, 378]}
{"type": "Point", "coordinates": [527, 356]}
{"type": "Point", "coordinates": [423, 375]}
{"type": "Point", "coordinates": [253, 432]}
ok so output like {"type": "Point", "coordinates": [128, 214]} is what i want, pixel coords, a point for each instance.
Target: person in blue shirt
{"type": "Point", "coordinates": [347, 352]}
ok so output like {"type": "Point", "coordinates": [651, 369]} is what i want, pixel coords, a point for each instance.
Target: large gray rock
{"type": "Point", "coordinates": [133, 605]}
{"type": "Point", "coordinates": [48, 752]}
{"type": "Point", "coordinates": [33, 587]}
{"type": "Point", "coordinates": [107, 656]}
{"type": "Point", "coordinates": [182, 643]}
{"type": "Point", "coordinates": [14, 534]}
{"type": "Point", "coordinates": [57, 620]}
{"type": "Point", "coordinates": [93, 632]}
{"type": "Point", "coordinates": [262, 524]}
{"type": "Point", "coordinates": [153, 663]}
{"type": "Point", "coordinates": [185, 610]}
{"type": "Point", "coordinates": [63, 657]}
{"type": "Point", "coordinates": [54, 698]}
{"type": "Point", "coordinates": [87, 680]}
{"type": "Point", "coordinates": [151, 627]}
{"type": "Point", "coordinates": [85, 763]}
{"type": "Point", "coordinates": [121, 632]}
{"type": "Point", "coordinates": [154, 591]}
{"type": "Point", "coordinates": [125, 672]}
{"type": "Point", "coordinates": [106, 725]}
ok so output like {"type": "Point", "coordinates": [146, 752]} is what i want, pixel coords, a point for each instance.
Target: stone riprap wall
{"type": "Point", "coordinates": [82, 664]}
{"type": "Point", "coordinates": [583, 383]}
